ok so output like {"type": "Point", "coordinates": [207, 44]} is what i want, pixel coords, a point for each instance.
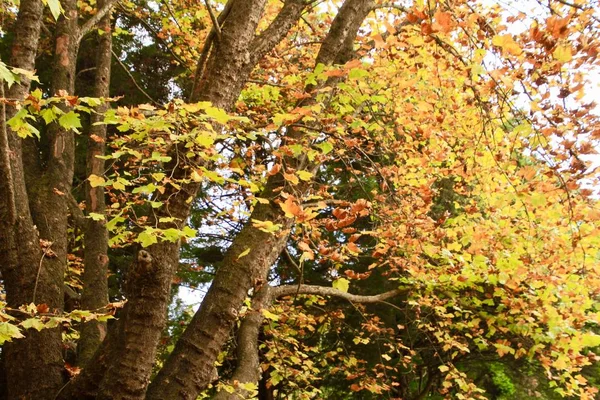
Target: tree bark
{"type": "Point", "coordinates": [95, 284]}
{"type": "Point", "coordinates": [190, 367]}
{"type": "Point", "coordinates": [34, 364]}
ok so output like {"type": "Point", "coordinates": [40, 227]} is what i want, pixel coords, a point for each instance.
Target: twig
{"type": "Point", "coordinates": [133, 79]}
{"type": "Point", "coordinates": [37, 277]}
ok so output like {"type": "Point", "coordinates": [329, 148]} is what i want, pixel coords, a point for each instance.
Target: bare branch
{"type": "Point", "coordinates": [133, 79]}
{"type": "Point", "coordinates": [288, 290]}
{"type": "Point", "coordinates": [76, 212]}
{"type": "Point", "coordinates": [214, 20]}
{"type": "Point", "coordinates": [93, 21]}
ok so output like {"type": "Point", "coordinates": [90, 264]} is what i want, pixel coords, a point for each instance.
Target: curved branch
{"type": "Point", "coordinates": [133, 79]}
{"type": "Point", "coordinates": [288, 290]}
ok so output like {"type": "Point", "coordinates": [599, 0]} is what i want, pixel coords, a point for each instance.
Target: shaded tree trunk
{"type": "Point", "coordinates": [34, 364]}
{"type": "Point", "coordinates": [95, 284]}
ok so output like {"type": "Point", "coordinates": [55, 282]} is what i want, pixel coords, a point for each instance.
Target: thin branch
{"type": "Point", "coordinates": [80, 220]}
{"type": "Point", "coordinates": [150, 29]}
{"type": "Point", "coordinates": [214, 20]}
{"type": "Point", "coordinates": [93, 21]}
{"type": "Point", "coordinates": [133, 79]}
{"type": "Point", "coordinates": [288, 290]}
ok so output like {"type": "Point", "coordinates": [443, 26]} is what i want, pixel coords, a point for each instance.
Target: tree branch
{"type": "Point", "coordinates": [276, 31]}
{"type": "Point", "coordinates": [78, 217]}
{"type": "Point", "coordinates": [288, 290]}
{"type": "Point", "coordinates": [93, 21]}
{"type": "Point", "coordinates": [214, 20]}
{"type": "Point", "coordinates": [133, 79]}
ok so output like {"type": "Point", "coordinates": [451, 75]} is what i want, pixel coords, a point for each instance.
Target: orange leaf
{"type": "Point", "coordinates": [290, 208]}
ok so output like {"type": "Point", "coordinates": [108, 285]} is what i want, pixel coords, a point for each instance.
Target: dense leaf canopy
{"type": "Point", "coordinates": [375, 199]}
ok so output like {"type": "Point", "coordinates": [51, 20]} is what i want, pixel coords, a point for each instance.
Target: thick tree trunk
{"type": "Point", "coordinates": [95, 284]}
{"type": "Point", "coordinates": [34, 365]}
{"type": "Point", "coordinates": [190, 367]}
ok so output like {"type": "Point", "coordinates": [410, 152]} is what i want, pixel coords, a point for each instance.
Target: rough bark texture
{"type": "Point", "coordinates": [33, 365]}
{"type": "Point", "coordinates": [189, 368]}
{"type": "Point", "coordinates": [95, 285]}
{"type": "Point", "coordinates": [248, 361]}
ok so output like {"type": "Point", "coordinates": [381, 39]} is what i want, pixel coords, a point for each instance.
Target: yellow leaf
{"type": "Point", "coordinates": [563, 53]}
{"type": "Point", "coordinates": [341, 284]}
{"type": "Point", "coordinates": [269, 315]}
{"type": "Point", "coordinates": [305, 175]}
{"type": "Point", "coordinates": [508, 44]}
{"type": "Point", "coordinates": [266, 226]}
{"type": "Point", "coordinates": [196, 176]}
{"type": "Point", "coordinates": [96, 180]}
{"type": "Point", "coordinates": [244, 253]}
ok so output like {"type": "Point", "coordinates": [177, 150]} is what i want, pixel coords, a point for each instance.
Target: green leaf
{"type": "Point", "coordinates": [70, 121]}
{"type": "Point", "coordinates": [33, 323]}
{"type": "Point", "coordinates": [189, 232]}
{"type": "Point", "coordinates": [6, 75]}
{"type": "Point", "coordinates": [341, 284]}
{"type": "Point", "coordinates": [9, 332]}
{"type": "Point", "coordinates": [147, 238]}
{"type": "Point", "coordinates": [96, 216]}
{"type": "Point", "coordinates": [48, 115]}
{"type": "Point", "coordinates": [112, 224]}
{"type": "Point", "coordinates": [325, 147]}
{"type": "Point", "coordinates": [357, 73]}
{"type": "Point", "coordinates": [55, 7]}
{"type": "Point", "coordinates": [269, 315]}
{"type": "Point", "coordinates": [218, 115]}
{"type": "Point", "coordinates": [29, 75]}
{"type": "Point", "coordinates": [590, 340]}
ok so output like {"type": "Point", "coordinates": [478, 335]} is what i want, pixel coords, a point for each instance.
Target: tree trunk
{"type": "Point", "coordinates": [95, 284]}
{"type": "Point", "coordinates": [34, 364]}
{"type": "Point", "coordinates": [190, 367]}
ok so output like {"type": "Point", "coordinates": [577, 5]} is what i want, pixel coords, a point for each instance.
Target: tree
{"type": "Point", "coordinates": [426, 162]}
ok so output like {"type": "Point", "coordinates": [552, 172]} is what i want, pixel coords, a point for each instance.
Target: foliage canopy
{"type": "Point", "coordinates": [386, 199]}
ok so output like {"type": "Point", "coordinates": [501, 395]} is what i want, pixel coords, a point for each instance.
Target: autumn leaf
{"type": "Point", "coordinates": [290, 207]}
{"type": "Point", "coordinates": [341, 284]}
{"type": "Point", "coordinates": [508, 44]}
{"type": "Point", "coordinates": [96, 180]}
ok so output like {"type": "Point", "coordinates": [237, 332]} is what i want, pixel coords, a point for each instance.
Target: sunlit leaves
{"type": "Point", "coordinates": [266, 226]}
{"type": "Point", "coordinates": [508, 44]}
{"type": "Point", "coordinates": [8, 332]}
{"type": "Point", "coordinates": [341, 284]}
{"type": "Point", "coordinates": [55, 7]}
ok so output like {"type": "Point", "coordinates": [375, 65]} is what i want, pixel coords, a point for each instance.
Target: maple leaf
{"type": "Point", "coordinates": [290, 207]}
